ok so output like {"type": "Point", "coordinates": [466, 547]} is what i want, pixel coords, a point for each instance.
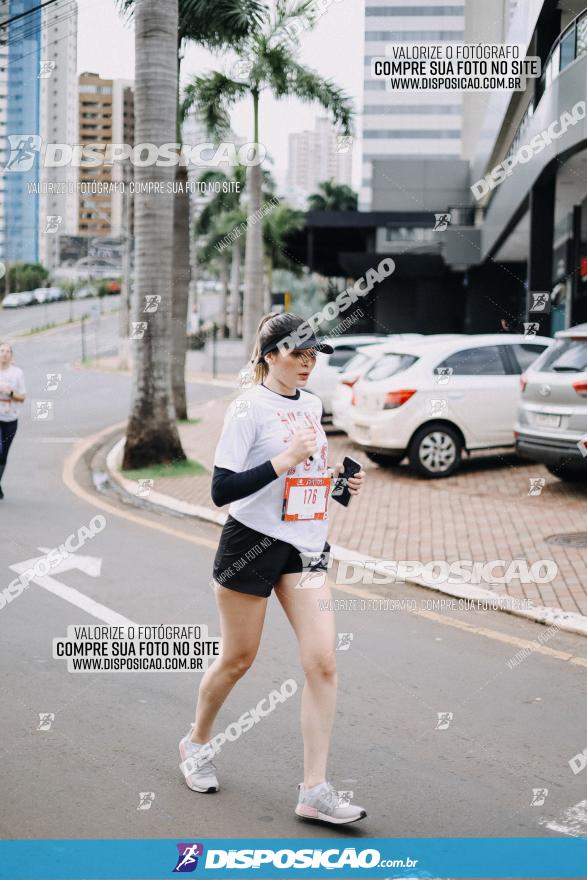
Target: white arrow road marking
{"type": "Point", "coordinates": [573, 821]}
{"type": "Point", "coordinates": [89, 565]}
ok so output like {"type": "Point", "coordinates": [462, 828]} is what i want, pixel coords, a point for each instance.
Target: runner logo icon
{"type": "Point", "coordinates": [187, 859]}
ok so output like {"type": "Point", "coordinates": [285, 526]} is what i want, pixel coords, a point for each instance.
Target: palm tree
{"type": "Point", "coordinates": [152, 435]}
{"type": "Point", "coordinates": [270, 54]}
{"type": "Point", "coordinates": [333, 197]}
{"type": "Point", "coordinates": [230, 23]}
{"type": "Point", "coordinates": [279, 224]}
{"type": "Point", "coordinates": [226, 208]}
{"type": "Point", "coordinates": [218, 254]}
{"type": "Point", "coordinates": [215, 219]}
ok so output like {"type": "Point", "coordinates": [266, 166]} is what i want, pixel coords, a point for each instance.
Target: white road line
{"type": "Point", "coordinates": [74, 597]}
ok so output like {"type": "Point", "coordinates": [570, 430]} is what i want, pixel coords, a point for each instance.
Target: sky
{"type": "Point", "coordinates": [334, 49]}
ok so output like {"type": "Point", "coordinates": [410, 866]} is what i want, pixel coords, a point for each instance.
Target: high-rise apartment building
{"type": "Point", "coordinates": [95, 126]}
{"type": "Point", "coordinates": [21, 203]}
{"type": "Point", "coordinates": [106, 117]}
{"type": "Point", "coordinates": [407, 124]}
{"type": "Point", "coordinates": [59, 125]}
{"type": "Point", "coordinates": [316, 156]}
{"type": "Point", "coordinates": [3, 114]}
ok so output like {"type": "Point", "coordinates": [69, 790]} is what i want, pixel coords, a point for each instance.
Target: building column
{"type": "Point", "coordinates": [548, 28]}
{"type": "Point", "coordinates": [542, 200]}
{"type": "Point", "coordinates": [575, 267]}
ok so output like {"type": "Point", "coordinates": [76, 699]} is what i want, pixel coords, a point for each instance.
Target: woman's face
{"type": "Point", "coordinates": [292, 368]}
{"type": "Point", "coordinates": [5, 355]}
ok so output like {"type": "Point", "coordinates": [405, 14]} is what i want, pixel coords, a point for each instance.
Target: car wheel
{"type": "Point", "coordinates": [435, 451]}
{"type": "Point", "coordinates": [384, 460]}
{"type": "Point", "coordinates": [569, 475]}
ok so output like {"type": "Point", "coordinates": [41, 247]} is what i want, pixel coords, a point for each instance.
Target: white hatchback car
{"type": "Point", "coordinates": [434, 397]}
{"type": "Point", "coordinates": [363, 359]}
{"type": "Point", "coordinates": [328, 367]}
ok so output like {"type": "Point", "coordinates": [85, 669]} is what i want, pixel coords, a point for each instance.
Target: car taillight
{"type": "Point", "coordinates": [350, 381]}
{"type": "Point", "coordinates": [523, 383]}
{"type": "Point", "coordinates": [580, 388]}
{"type": "Point", "coordinates": [393, 399]}
{"type": "Point", "coordinates": [354, 398]}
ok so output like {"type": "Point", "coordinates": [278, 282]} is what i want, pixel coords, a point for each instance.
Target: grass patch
{"type": "Point", "coordinates": [186, 468]}
{"type": "Point", "coordinates": [188, 421]}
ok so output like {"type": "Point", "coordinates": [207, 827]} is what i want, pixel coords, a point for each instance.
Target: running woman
{"type": "Point", "coordinates": [271, 465]}
{"type": "Point", "coordinates": [12, 392]}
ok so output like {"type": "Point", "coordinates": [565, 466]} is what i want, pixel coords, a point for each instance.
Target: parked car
{"type": "Point", "coordinates": [86, 292]}
{"type": "Point", "coordinates": [431, 399]}
{"type": "Point", "coordinates": [12, 301]}
{"type": "Point", "coordinates": [48, 294]}
{"type": "Point", "coordinates": [364, 358]}
{"type": "Point", "coordinates": [552, 415]}
{"type": "Point", "coordinates": [27, 297]}
{"type": "Point", "coordinates": [324, 376]}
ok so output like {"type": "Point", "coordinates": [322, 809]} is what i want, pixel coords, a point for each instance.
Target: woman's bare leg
{"type": "Point", "coordinates": [315, 631]}
{"type": "Point", "coordinates": [241, 625]}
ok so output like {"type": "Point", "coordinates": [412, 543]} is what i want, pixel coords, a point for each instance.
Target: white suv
{"type": "Point", "coordinates": [436, 396]}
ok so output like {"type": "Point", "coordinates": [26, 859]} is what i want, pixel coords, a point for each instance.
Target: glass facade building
{"type": "Point", "coordinates": [21, 206]}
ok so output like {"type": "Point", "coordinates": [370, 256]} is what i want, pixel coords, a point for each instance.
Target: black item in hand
{"type": "Point", "coordinates": [340, 492]}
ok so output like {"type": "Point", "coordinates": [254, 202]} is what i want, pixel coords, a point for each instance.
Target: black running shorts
{"type": "Point", "coordinates": [250, 562]}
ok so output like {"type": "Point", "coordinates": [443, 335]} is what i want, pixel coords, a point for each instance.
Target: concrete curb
{"type": "Point", "coordinates": [563, 620]}
{"type": "Point", "coordinates": [223, 380]}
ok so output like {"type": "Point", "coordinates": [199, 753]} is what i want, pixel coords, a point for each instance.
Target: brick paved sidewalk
{"type": "Point", "coordinates": [482, 513]}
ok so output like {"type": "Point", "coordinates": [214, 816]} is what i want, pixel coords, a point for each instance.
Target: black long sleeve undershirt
{"type": "Point", "coordinates": [230, 486]}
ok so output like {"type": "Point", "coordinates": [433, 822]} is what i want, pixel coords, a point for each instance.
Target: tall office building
{"type": "Point", "coordinates": [59, 125]}
{"type": "Point", "coordinates": [316, 156]}
{"type": "Point", "coordinates": [408, 124]}
{"type": "Point", "coordinates": [123, 131]}
{"type": "Point", "coordinates": [484, 23]}
{"type": "Point", "coordinates": [21, 204]}
{"type": "Point", "coordinates": [3, 114]}
{"type": "Point", "coordinates": [106, 116]}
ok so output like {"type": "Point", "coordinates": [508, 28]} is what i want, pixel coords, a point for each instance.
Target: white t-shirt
{"type": "Point", "coordinates": [10, 376]}
{"type": "Point", "coordinates": [259, 425]}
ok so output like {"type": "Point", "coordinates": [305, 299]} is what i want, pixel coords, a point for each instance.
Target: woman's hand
{"type": "Point", "coordinates": [355, 483]}
{"type": "Point", "coordinates": [301, 447]}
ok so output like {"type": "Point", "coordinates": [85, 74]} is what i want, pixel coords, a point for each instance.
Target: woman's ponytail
{"type": "Point", "coordinates": [258, 365]}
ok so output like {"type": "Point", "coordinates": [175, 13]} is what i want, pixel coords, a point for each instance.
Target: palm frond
{"type": "Point", "coordinates": [230, 21]}
{"type": "Point", "coordinates": [291, 18]}
{"type": "Point", "coordinates": [212, 95]}
{"type": "Point", "coordinates": [309, 86]}
{"type": "Point", "coordinates": [333, 196]}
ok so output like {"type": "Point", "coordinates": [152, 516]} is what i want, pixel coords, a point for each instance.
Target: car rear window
{"type": "Point", "coordinates": [526, 353]}
{"type": "Point", "coordinates": [357, 362]}
{"type": "Point", "coordinates": [483, 360]}
{"type": "Point", "coordinates": [566, 355]}
{"type": "Point", "coordinates": [390, 365]}
{"type": "Point", "coordinates": [341, 356]}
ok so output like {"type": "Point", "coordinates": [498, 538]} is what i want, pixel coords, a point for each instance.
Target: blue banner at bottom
{"type": "Point", "coordinates": [223, 858]}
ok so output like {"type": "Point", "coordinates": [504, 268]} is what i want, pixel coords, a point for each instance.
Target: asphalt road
{"type": "Point", "coordinates": [15, 322]}
{"type": "Point", "coordinates": [115, 735]}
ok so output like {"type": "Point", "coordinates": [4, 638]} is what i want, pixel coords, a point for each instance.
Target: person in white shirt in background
{"type": "Point", "coordinates": [12, 393]}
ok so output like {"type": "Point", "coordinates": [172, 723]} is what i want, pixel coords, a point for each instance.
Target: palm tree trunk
{"type": "Point", "coordinates": [181, 281]}
{"type": "Point", "coordinates": [225, 278]}
{"type": "Point", "coordinates": [253, 299]}
{"type": "Point", "coordinates": [235, 275]}
{"type": "Point", "coordinates": [269, 283]}
{"type": "Point", "coordinates": [152, 435]}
